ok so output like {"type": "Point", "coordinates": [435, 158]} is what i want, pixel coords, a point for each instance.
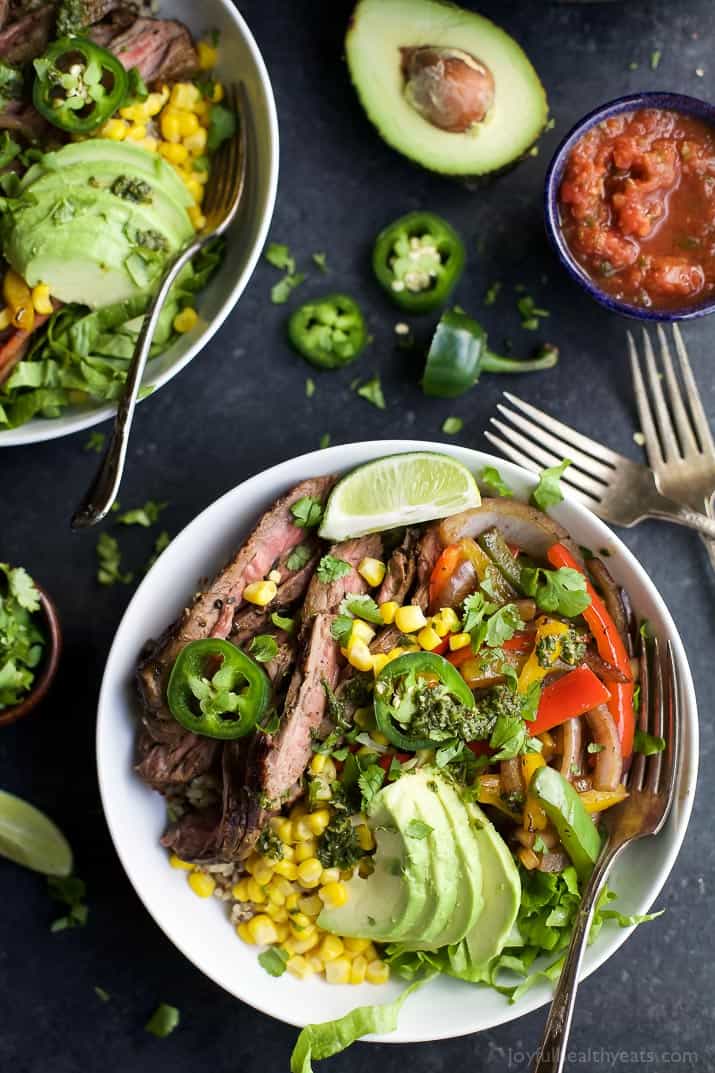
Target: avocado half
{"type": "Point", "coordinates": [445, 87]}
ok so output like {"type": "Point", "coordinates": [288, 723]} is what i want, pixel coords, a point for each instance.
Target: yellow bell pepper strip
{"type": "Point", "coordinates": [577, 692]}
{"type": "Point", "coordinates": [489, 793]}
{"type": "Point", "coordinates": [610, 647]}
{"type": "Point", "coordinates": [598, 800]}
{"type": "Point", "coordinates": [535, 818]}
{"type": "Point", "coordinates": [533, 670]}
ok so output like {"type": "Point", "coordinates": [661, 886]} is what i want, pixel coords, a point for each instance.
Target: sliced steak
{"type": "Point", "coordinates": [166, 766]}
{"type": "Point", "coordinates": [22, 117]}
{"type": "Point", "coordinates": [429, 550]}
{"type": "Point", "coordinates": [325, 598]}
{"type": "Point", "coordinates": [292, 587]}
{"type": "Point", "coordinates": [4, 12]}
{"type": "Point", "coordinates": [160, 49]}
{"type": "Point", "coordinates": [211, 614]}
{"type": "Point", "coordinates": [195, 837]}
{"type": "Point", "coordinates": [26, 37]}
{"type": "Point", "coordinates": [281, 665]}
{"type": "Point", "coordinates": [401, 570]}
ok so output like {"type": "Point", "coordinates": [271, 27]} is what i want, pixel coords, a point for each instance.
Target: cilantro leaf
{"type": "Point", "coordinates": [331, 568]}
{"type": "Point", "coordinates": [563, 591]}
{"type": "Point", "coordinates": [548, 491]}
{"type": "Point", "coordinates": [451, 426]}
{"type": "Point", "coordinates": [502, 625]}
{"type": "Point", "coordinates": [21, 587]}
{"type": "Point", "coordinates": [448, 752]}
{"type": "Point", "coordinates": [340, 629]}
{"type": "Point", "coordinates": [474, 609]}
{"type": "Point", "coordinates": [362, 607]}
{"type": "Point", "coordinates": [282, 290]}
{"type": "Point", "coordinates": [530, 701]}
{"type": "Point", "coordinates": [279, 255]}
{"type": "Point", "coordinates": [273, 960]}
{"type": "Point", "coordinates": [369, 782]}
{"type": "Point", "coordinates": [70, 890]}
{"type": "Point", "coordinates": [307, 512]}
{"type": "Point", "coordinates": [282, 622]}
{"type": "Point", "coordinates": [646, 743]}
{"type": "Point", "coordinates": [418, 829]}
{"type": "Point", "coordinates": [492, 478]}
{"type": "Point", "coordinates": [324, 441]}
{"type": "Point", "coordinates": [263, 648]}
{"type": "Point", "coordinates": [102, 994]}
{"type": "Point", "coordinates": [160, 544]}
{"type": "Point", "coordinates": [372, 392]}
{"type": "Point", "coordinates": [309, 387]}
{"type": "Point", "coordinates": [222, 126]}
{"type": "Point", "coordinates": [163, 1021]}
{"type": "Point", "coordinates": [321, 260]}
{"type": "Point", "coordinates": [300, 556]}
{"type": "Point", "coordinates": [145, 516]}
{"type": "Point", "coordinates": [95, 442]}
{"type": "Point", "coordinates": [530, 312]}
{"type": "Point", "coordinates": [110, 560]}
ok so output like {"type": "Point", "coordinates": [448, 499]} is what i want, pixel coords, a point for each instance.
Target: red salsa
{"type": "Point", "coordinates": [637, 204]}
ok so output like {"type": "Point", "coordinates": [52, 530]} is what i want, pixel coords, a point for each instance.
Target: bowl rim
{"type": "Point", "coordinates": [45, 429]}
{"type": "Point", "coordinates": [50, 661]}
{"type": "Point", "coordinates": [663, 99]}
{"type": "Point", "coordinates": [346, 457]}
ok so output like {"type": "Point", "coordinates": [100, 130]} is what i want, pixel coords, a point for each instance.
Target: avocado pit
{"type": "Point", "coordinates": [451, 89]}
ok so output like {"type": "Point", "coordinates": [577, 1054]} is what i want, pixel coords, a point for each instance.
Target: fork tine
{"type": "Point", "coordinates": [702, 426]}
{"type": "Point", "coordinates": [571, 476]}
{"type": "Point", "coordinates": [527, 462]}
{"type": "Point", "coordinates": [560, 447]}
{"type": "Point", "coordinates": [680, 415]}
{"type": "Point", "coordinates": [568, 435]}
{"type": "Point", "coordinates": [666, 432]}
{"type": "Point", "coordinates": [645, 416]}
{"type": "Point", "coordinates": [656, 719]}
{"type": "Point", "coordinates": [637, 771]}
{"type": "Point", "coordinates": [672, 732]}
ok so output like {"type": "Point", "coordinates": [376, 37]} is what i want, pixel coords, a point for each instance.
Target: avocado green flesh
{"type": "Point", "coordinates": [379, 29]}
{"type": "Point", "coordinates": [443, 875]}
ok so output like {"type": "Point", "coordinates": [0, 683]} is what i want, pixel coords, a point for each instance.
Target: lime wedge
{"type": "Point", "coordinates": [30, 838]}
{"type": "Point", "coordinates": [398, 490]}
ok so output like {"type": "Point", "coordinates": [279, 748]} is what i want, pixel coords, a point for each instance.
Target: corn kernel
{"type": "Point", "coordinates": [459, 640]}
{"type": "Point", "coordinates": [288, 945]}
{"type": "Point", "coordinates": [260, 593]}
{"type": "Point", "coordinates": [262, 929]}
{"type": "Point", "coordinates": [176, 862]}
{"type": "Point", "coordinates": [263, 874]}
{"type": "Point", "coordinates": [244, 933]}
{"type": "Point", "coordinates": [283, 828]}
{"type": "Point", "coordinates": [372, 570]}
{"type": "Point", "coordinates": [114, 129]}
{"type": "Point", "coordinates": [283, 885]}
{"type": "Point", "coordinates": [197, 217]}
{"type": "Point", "coordinates": [292, 902]}
{"type": "Point", "coordinates": [410, 618]}
{"type": "Point", "coordinates": [288, 853]}
{"type": "Point", "coordinates": [155, 102]}
{"type": "Point", "coordinates": [201, 884]}
{"type": "Point", "coordinates": [450, 618]}
{"type": "Point", "coordinates": [174, 152]}
{"type": "Point", "coordinates": [395, 653]}
{"type": "Point", "coordinates": [359, 656]}
{"type": "Point", "coordinates": [318, 821]}
{"type": "Point", "coordinates": [330, 875]}
{"type": "Point", "coordinates": [356, 946]}
{"type": "Point", "coordinates": [188, 124]}
{"type": "Point", "coordinates": [202, 108]}
{"type": "Point", "coordinates": [287, 869]}
{"type": "Point", "coordinates": [365, 837]}
{"type": "Point", "coordinates": [388, 611]}
{"type": "Point", "coordinates": [334, 894]}
{"type": "Point", "coordinates": [330, 948]}
{"type": "Point", "coordinates": [315, 963]}
{"type": "Point", "coordinates": [240, 891]}
{"type": "Point", "coordinates": [41, 300]}
{"type": "Point", "coordinates": [185, 320]}
{"type": "Point", "coordinates": [298, 966]}
{"type": "Point", "coordinates": [137, 132]}
{"type": "Point", "coordinates": [135, 113]}
{"type": "Point", "coordinates": [309, 872]}
{"type": "Point", "coordinates": [429, 639]}
{"type": "Point", "coordinates": [149, 143]}
{"type": "Point", "coordinates": [218, 94]}
{"type": "Point", "coordinates": [321, 790]}
{"type": "Point", "coordinates": [184, 95]}
{"type": "Point", "coordinates": [299, 922]}
{"type": "Point", "coordinates": [358, 967]}
{"type": "Point", "coordinates": [379, 661]}
{"type": "Point", "coordinates": [256, 893]}
{"type": "Point", "coordinates": [439, 626]}
{"type": "Point", "coordinates": [282, 929]}
{"type": "Point", "coordinates": [317, 764]}
{"type": "Point", "coordinates": [302, 831]}
{"type": "Point", "coordinates": [169, 123]}
{"type": "Point", "coordinates": [338, 971]}
{"type": "Point", "coordinates": [310, 904]}
{"type": "Point", "coordinates": [278, 914]}
{"type": "Point", "coordinates": [360, 631]}
{"type": "Point", "coordinates": [305, 850]}
{"type": "Point", "coordinates": [302, 946]}
{"type": "Point", "coordinates": [208, 55]}
{"type": "Point", "coordinates": [377, 972]}
{"type": "Point", "coordinates": [330, 771]}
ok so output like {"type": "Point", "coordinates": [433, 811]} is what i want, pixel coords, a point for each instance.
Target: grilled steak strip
{"type": "Point", "coordinates": [26, 37]}
{"type": "Point", "coordinates": [166, 765]}
{"type": "Point", "coordinates": [194, 837]}
{"type": "Point", "coordinates": [161, 49]}
{"type": "Point", "coordinates": [211, 614]}
{"type": "Point", "coordinates": [253, 620]}
{"type": "Point", "coordinates": [401, 569]}
{"type": "Point", "coordinates": [323, 598]}
{"type": "Point", "coordinates": [429, 550]}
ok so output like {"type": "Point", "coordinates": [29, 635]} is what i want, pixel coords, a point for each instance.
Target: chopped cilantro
{"type": "Point", "coordinates": [492, 293]}
{"type": "Point", "coordinates": [655, 58]}
{"type": "Point", "coordinates": [548, 490]}
{"type": "Point", "coordinates": [331, 568]}
{"type": "Point", "coordinates": [263, 648]}
{"type": "Point", "coordinates": [372, 392]}
{"type": "Point", "coordinates": [338, 846]}
{"type": "Point", "coordinates": [110, 559]}
{"type": "Point", "coordinates": [648, 744]}
{"type": "Point", "coordinates": [279, 255]}
{"type": "Point", "coordinates": [563, 590]}
{"type": "Point", "coordinates": [370, 781]}
{"type": "Point", "coordinates": [324, 440]}
{"type": "Point", "coordinates": [21, 642]}
{"type": "Point", "coordinates": [160, 544]}
{"type": "Point", "coordinates": [282, 290]}
{"type": "Point", "coordinates": [222, 126]}
{"type": "Point", "coordinates": [340, 629]}
{"type": "Point", "coordinates": [307, 512]}
{"type": "Point", "coordinates": [492, 478]}
{"type": "Point", "coordinates": [95, 443]}
{"type": "Point", "coordinates": [273, 960]}
{"type": "Point", "coordinates": [451, 426]}
{"type": "Point", "coordinates": [362, 607]}
{"type": "Point", "coordinates": [530, 312]}
{"type": "Point", "coordinates": [269, 844]}
{"type": "Point", "coordinates": [163, 1021]}
{"type": "Point", "coordinates": [70, 891]}
{"type": "Point", "coordinates": [320, 259]}
{"type": "Point", "coordinates": [145, 516]}
{"type": "Point", "coordinates": [299, 557]}
{"type": "Point", "coordinates": [502, 625]}
{"type": "Point", "coordinates": [102, 994]}
{"type": "Point", "coordinates": [309, 387]}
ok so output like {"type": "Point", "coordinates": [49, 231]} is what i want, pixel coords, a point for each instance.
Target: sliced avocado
{"type": "Point", "coordinates": [132, 159]}
{"type": "Point", "coordinates": [470, 899]}
{"type": "Point", "coordinates": [446, 87]}
{"type": "Point", "coordinates": [417, 856]}
{"type": "Point", "coordinates": [501, 888]}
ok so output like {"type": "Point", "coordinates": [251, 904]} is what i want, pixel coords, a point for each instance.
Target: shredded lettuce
{"type": "Point", "coordinates": [331, 1037]}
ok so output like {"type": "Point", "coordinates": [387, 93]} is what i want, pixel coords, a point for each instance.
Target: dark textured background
{"type": "Point", "coordinates": [241, 407]}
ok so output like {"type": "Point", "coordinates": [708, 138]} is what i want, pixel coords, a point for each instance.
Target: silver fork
{"type": "Point", "coordinates": [651, 788]}
{"type": "Point", "coordinates": [612, 486]}
{"type": "Point", "coordinates": [678, 440]}
{"type": "Point", "coordinates": [223, 197]}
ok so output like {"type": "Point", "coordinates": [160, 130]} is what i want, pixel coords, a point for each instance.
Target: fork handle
{"type": "Point", "coordinates": [670, 511]}
{"type": "Point", "coordinates": [102, 492]}
{"type": "Point", "coordinates": [551, 1054]}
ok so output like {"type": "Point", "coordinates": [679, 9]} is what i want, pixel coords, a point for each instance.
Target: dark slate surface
{"type": "Point", "coordinates": [241, 407]}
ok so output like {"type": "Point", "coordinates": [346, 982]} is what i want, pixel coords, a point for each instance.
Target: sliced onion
{"type": "Point", "coordinates": [609, 760]}
{"type": "Point", "coordinates": [460, 583]}
{"type": "Point", "coordinates": [611, 594]}
{"type": "Point", "coordinates": [510, 774]}
{"type": "Point", "coordinates": [554, 861]}
{"type": "Point", "coordinates": [571, 747]}
{"type": "Point", "coordinates": [519, 523]}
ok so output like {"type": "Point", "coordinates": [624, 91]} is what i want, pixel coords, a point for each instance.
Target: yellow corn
{"type": "Point", "coordinates": [260, 593]}
{"type": "Point", "coordinates": [532, 671]}
{"type": "Point", "coordinates": [330, 771]}
{"type": "Point", "coordinates": [176, 862]}
{"type": "Point", "coordinates": [310, 904]}
{"type": "Point", "coordinates": [299, 922]}
{"type": "Point", "coordinates": [218, 94]}
{"type": "Point", "coordinates": [292, 902]}
{"type": "Point", "coordinates": [185, 320]}
{"type": "Point", "coordinates": [450, 618]}
{"type": "Point", "coordinates": [262, 929]}
{"type": "Point", "coordinates": [372, 570]}
{"type": "Point", "coordinates": [302, 831]}
{"type": "Point", "coordinates": [155, 102]}
{"type": "Point", "coordinates": [302, 946]}
{"type": "Point", "coordinates": [364, 837]}
{"type": "Point", "coordinates": [263, 874]}
{"type": "Point", "coordinates": [598, 800]}
{"type": "Point", "coordinates": [459, 640]}
{"type": "Point", "coordinates": [256, 892]}
{"type": "Point", "coordinates": [330, 875]}
{"type": "Point", "coordinates": [208, 55]}
{"type": "Point", "coordinates": [439, 626]}
{"type": "Point", "coordinates": [244, 933]}
{"type": "Point", "coordinates": [356, 946]}
{"type": "Point", "coordinates": [283, 828]}
{"type": "Point", "coordinates": [197, 217]}
{"type": "Point", "coordinates": [317, 764]}
{"type": "Point", "coordinates": [309, 872]}
{"type": "Point", "coordinates": [137, 132]}
{"type": "Point", "coordinates": [278, 914]}
{"type": "Point", "coordinates": [184, 95]}
{"type": "Point", "coordinates": [395, 653]}
{"type": "Point", "coordinates": [409, 619]}
{"type": "Point", "coordinates": [315, 962]}
{"type": "Point", "coordinates": [149, 143]}
{"type": "Point", "coordinates": [334, 894]}
{"type": "Point", "coordinates": [135, 113]}
{"type": "Point", "coordinates": [305, 850]}
{"type": "Point", "coordinates": [338, 971]}
{"type": "Point", "coordinates": [240, 891]}
{"type": "Point", "coordinates": [388, 611]}
{"type": "Point", "coordinates": [359, 656]}
{"type": "Point", "coordinates": [298, 966]}
{"type": "Point", "coordinates": [41, 300]}
{"type": "Point", "coordinates": [280, 883]}
{"type": "Point", "coordinates": [188, 124]}
{"type": "Point", "coordinates": [429, 639]}
{"type": "Point", "coordinates": [360, 631]}
{"type": "Point", "coordinates": [201, 884]}
{"type": "Point", "coordinates": [18, 297]}
{"type": "Point", "coordinates": [358, 968]}
{"type": "Point", "coordinates": [377, 972]}
{"type": "Point", "coordinates": [330, 948]}
{"type": "Point", "coordinates": [169, 123]}
{"type": "Point", "coordinates": [318, 821]}
{"type": "Point", "coordinates": [114, 129]}
{"type": "Point", "coordinates": [287, 869]}
{"type": "Point", "coordinates": [174, 152]}
{"type": "Point", "coordinates": [283, 930]}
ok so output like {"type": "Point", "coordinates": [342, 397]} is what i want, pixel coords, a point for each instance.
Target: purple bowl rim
{"type": "Point", "coordinates": [676, 102]}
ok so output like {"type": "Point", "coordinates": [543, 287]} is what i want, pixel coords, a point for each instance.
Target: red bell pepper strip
{"type": "Point", "coordinates": [520, 642]}
{"type": "Point", "coordinates": [443, 569]}
{"type": "Point", "coordinates": [461, 656]}
{"type": "Point", "coordinates": [610, 648]}
{"type": "Point", "coordinates": [575, 693]}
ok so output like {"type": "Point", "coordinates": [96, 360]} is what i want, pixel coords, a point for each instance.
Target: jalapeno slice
{"type": "Point", "coordinates": [216, 690]}
{"type": "Point", "coordinates": [78, 85]}
{"type": "Point", "coordinates": [329, 332]}
{"type": "Point", "coordinates": [394, 696]}
{"type": "Point", "coordinates": [418, 260]}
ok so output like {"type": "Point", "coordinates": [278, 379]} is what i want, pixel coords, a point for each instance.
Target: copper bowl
{"type": "Point", "coordinates": [47, 669]}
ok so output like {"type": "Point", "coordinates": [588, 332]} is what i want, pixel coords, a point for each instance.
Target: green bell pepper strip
{"type": "Point", "coordinates": [563, 806]}
{"type": "Point", "coordinates": [78, 85]}
{"type": "Point", "coordinates": [418, 260]}
{"type": "Point", "coordinates": [459, 354]}
{"type": "Point", "coordinates": [493, 543]}
{"type": "Point", "coordinates": [209, 682]}
{"type": "Point", "coordinates": [329, 332]}
{"type": "Point", "coordinates": [414, 663]}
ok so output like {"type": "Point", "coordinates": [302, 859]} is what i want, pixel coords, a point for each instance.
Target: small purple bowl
{"type": "Point", "coordinates": [673, 102]}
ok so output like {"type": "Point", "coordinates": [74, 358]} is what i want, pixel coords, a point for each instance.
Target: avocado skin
{"type": "Point", "coordinates": [472, 179]}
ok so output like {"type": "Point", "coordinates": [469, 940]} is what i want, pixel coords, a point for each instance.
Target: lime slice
{"type": "Point", "coordinates": [398, 490]}
{"type": "Point", "coordinates": [30, 838]}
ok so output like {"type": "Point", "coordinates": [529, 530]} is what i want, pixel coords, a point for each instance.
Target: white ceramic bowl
{"type": "Point", "coordinates": [239, 58]}
{"type": "Point", "coordinates": [136, 815]}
